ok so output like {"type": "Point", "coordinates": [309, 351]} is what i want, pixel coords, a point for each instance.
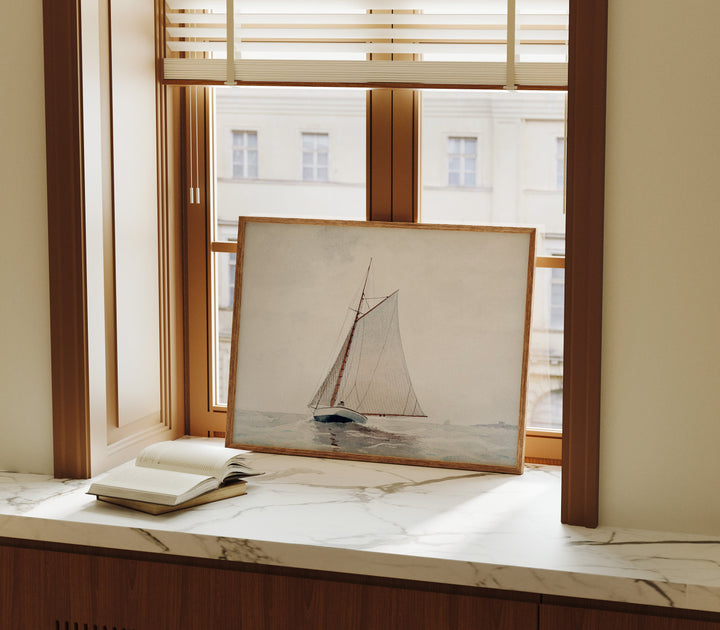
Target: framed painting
{"type": "Point", "coordinates": [390, 342]}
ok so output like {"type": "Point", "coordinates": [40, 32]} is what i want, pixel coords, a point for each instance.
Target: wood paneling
{"type": "Point", "coordinates": [392, 154]}
{"type": "Point", "coordinates": [41, 587]}
{"type": "Point", "coordinates": [41, 584]}
{"type": "Point", "coordinates": [568, 618]}
{"type": "Point", "coordinates": [66, 238]}
{"type": "Point", "coordinates": [583, 263]}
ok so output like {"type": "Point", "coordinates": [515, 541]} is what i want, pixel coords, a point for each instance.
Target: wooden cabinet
{"type": "Point", "coordinates": [56, 590]}
{"type": "Point", "coordinates": [60, 588]}
{"type": "Point", "coordinates": [561, 617]}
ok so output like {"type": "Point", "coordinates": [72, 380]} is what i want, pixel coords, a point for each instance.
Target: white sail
{"type": "Point", "coordinates": [370, 374]}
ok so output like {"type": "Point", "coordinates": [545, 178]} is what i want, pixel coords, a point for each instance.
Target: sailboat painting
{"type": "Point", "coordinates": [369, 375]}
{"type": "Point", "coordinates": [398, 343]}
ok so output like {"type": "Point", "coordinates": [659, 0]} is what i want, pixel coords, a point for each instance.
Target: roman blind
{"type": "Point", "coordinates": [440, 43]}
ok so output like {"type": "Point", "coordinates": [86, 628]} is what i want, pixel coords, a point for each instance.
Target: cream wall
{"type": "Point", "coordinates": [25, 392]}
{"type": "Point", "coordinates": [660, 431]}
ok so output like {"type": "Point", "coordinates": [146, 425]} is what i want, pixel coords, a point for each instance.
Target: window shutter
{"type": "Point", "coordinates": [434, 43]}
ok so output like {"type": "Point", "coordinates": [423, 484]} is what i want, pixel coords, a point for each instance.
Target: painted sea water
{"type": "Point", "coordinates": [410, 438]}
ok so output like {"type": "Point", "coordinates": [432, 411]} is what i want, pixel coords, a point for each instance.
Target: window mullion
{"type": "Point", "coordinates": [392, 150]}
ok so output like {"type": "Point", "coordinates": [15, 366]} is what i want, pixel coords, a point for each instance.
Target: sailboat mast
{"type": "Point", "coordinates": [350, 338]}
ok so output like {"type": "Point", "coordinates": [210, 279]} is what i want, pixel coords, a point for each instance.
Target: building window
{"type": "Point", "coordinates": [559, 163]}
{"type": "Point", "coordinates": [462, 161]}
{"type": "Point", "coordinates": [557, 299]}
{"type": "Point", "coordinates": [245, 154]}
{"type": "Point", "coordinates": [315, 148]}
{"type": "Point", "coordinates": [231, 279]}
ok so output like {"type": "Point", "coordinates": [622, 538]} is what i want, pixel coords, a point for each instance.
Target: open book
{"type": "Point", "coordinates": [170, 473]}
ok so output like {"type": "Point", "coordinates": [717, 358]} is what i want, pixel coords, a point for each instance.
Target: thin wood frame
{"type": "Point", "coordinates": [520, 335]}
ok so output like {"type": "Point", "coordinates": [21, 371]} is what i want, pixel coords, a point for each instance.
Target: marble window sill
{"type": "Point", "coordinates": [447, 526]}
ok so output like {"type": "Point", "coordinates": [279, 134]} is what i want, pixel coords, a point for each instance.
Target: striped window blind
{"type": "Point", "coordinates": [415, 43]}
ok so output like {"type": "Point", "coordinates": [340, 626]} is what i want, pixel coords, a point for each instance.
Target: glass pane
{"type": "Point", "coordinates": [272, 140]}
{"type": "Point", "coordinates": [545, 369]}
{"type": "Point", "coordinates": [454, 145]}
{"type": "Point", "coordinates": [514, 138]}
{"type": "Point", "coordinates": [279, 119]}
{"type": "Point", "coordinates": [513, 145]}
{"type": "Point", "coordinates": [224, 272]}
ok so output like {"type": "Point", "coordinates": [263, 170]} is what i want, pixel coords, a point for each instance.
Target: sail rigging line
{"type": "Point", "coordinates": [385, 299]}
{"type": "Point", "coordinates": [352, 332]}
{"type": "Point", "coordinates": [333, 353]}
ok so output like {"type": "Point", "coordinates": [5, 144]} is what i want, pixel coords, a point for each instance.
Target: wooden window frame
{"type": "Point", "coordinates": [585, 147]}
{"type": "Point", "coordinates": [76, 452]}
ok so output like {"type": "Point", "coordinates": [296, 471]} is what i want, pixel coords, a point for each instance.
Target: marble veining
{"type": "Point", "coordinates": [449, 526]}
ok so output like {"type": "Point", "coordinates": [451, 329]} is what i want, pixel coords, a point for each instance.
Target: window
{"type": "Point", "coordinates": [512, 131]}
{"type": "Point", "coordinates": [231, 278]}
{"type": "Point", "coordinates": [463, 167]}
{"type": "Point", "coordinates": [585, 185]}
{"type": "Point", "coordinates": [557, 299]}
{"type": "Point", "coordinates": [462, 161]}
{"type": "Point", "coordinates": [279, 116]}
{"type": "Point", "coordinates": [244, 154]}
{"type": "Point", "coordinates": [547, 410]}
{"type": "Point", "coordinates": [496, 124]}
{"type": "Point", "coordinates": [560, 163]}
{"type": "Point", "coordinates": [315, 157]}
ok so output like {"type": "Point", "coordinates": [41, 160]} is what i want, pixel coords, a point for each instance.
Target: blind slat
{"type": "Point", "coordinates": [472, 34]}
{"type": "Point", "coordinates": [360, 72]}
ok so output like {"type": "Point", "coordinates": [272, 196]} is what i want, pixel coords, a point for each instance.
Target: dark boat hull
{"type": "Point", "coordinates": [338, 414]}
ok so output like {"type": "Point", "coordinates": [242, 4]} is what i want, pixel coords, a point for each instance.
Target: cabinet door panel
{"type": "Point", "coordinates": [49, 589]}
{"type": "Point", "coordinates": [569, 618]}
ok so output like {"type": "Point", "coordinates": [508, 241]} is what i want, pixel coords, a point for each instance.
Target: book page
{"type": "Point", "coordinates": [202, 458]}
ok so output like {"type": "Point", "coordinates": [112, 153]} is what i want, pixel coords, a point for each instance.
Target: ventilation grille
{"type": "Point", "coordinates": [76, 625]}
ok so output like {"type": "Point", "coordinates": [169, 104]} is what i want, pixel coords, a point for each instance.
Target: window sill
{"type": "Point", "coordinates": [448, 526]}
